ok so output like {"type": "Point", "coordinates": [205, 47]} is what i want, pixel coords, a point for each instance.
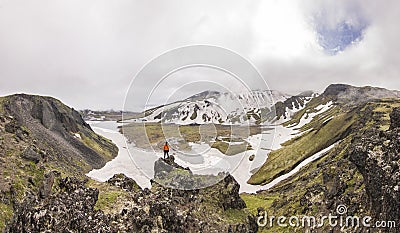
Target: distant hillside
{"type": "Point", "coordinates": [109, 115]}
{"type": "Point", "coordinates": [324, 127]}
{"type": "Point", "coordinates": [253, 107]}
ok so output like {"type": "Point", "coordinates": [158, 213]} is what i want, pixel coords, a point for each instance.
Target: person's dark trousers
{"type": "Point", "coordinates": [166, 154]}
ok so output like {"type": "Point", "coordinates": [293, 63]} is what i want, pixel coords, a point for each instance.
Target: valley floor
{"type": "Point", "coordinates": [138, 163]}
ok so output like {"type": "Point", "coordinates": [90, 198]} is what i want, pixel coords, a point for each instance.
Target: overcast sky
{"type": "Point", "coordinates": [86, 52]}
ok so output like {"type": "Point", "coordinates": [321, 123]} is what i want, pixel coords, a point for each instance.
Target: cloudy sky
{"type": "Point", "coordinates": [86, 53]}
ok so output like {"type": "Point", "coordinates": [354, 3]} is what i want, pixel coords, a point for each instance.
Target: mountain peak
{"type": "Point", "coordinates": [353, 95]}
{"type": "Point", "coordinates": [336, 89]}
{"type": "Point", "coordinates": [203, 94]}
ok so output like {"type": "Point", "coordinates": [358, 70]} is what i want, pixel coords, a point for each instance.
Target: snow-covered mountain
{"type": "Point", "coordinates": [253, 107]}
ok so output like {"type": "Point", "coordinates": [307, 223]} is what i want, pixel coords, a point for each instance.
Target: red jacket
{"type": "Point", "coordinates": [166, 147]}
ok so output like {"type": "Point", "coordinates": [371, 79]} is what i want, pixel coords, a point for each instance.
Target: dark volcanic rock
{"type": "Point", "coordinates": [47, 184]}
{"type": "Point", "coordinates": [395, 118]}
{"type": "Point", "coordinates": [336, 89]}
{"type": "Point", "coordinates": [229, 194]}
{"type": "Point", "coordinates": [15, 128]}
{"type": "Point", "coordinates": [164, 166]}
{"type": "Point", "coordinates": [123, 182]}
{"type": "Point", "coordinates": [376, 155]}
{"type": "Point", "coordinates": [31, 154]}
{"type": "Point", "coordinates": [72, 208]}
{"type": "Point", "coordinates": [251, 157]}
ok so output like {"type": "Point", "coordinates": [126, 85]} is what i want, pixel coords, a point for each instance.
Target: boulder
{"type": "Point", "coordinates": [31, 154]}
{"type": "Point", "coordinates": [123, 182]}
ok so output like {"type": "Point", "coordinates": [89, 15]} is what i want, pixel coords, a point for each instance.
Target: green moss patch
{"type": "Point", "coordinates": [253, 202]}
{"type": "Point", "coordinates": [235, 216]}
{"type": "Point", "coordinates": [111, 199]}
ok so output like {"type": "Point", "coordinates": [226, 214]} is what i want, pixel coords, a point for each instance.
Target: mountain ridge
{"type": "Point", "coordinates": [254, 107]}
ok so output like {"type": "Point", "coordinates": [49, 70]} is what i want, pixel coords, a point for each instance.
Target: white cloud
{"type": "Point", "coordinates": [282, 31]}
{"type": "Point", "coordinates": [87, 52]}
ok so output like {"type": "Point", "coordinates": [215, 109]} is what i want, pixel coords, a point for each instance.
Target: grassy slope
{"type": "Point", "coordinates": [17, 176]}
{"type": "Point", "coordinates": [295, 151]}
{"type": "Point", "coordinates": [100, 149]}
{"type": "Point", "coordinates": [287, 198]}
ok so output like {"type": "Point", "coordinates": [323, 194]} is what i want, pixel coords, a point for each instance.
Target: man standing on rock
{"type": "Point", "coordinates": [166, 150]}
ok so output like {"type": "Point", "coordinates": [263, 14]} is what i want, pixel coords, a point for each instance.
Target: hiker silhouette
{"type": "Point", "coordinates": [166, 150]}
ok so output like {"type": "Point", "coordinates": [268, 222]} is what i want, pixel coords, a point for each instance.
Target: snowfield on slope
{"type": "Point", "coordinates": [139, 164]}
{"type": "Point", "coordinates": [216, 107]}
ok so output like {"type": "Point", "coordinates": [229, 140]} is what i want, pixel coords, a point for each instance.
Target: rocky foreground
{"type": "Point", "coordinates": [46, 148]}
{"type": "Point", "coordinates": [72, 205]}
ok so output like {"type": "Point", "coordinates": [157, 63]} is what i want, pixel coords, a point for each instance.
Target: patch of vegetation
{"type": "Point", "coordinates": [90, 142]}
{"type": "Point", "coordinates": [253, 202]}
{"type": "Point", "coordinates": [147, 135]}
{"type": "Point", "coordinates": [6, 213]}
{"type": "Point", "coordinates": [2, 99]}
{"type": "Point", "coordinates": [111, 199]}
{"type": "Point", "coordinates": [235, 216]}
{"type": "Point", "coordinates": [285, 159]}
{"type": "Point", "coordinates": [108, 200]}
{"type": "Point", "coordinates": [306, 192]}
{"type": "Point", "coordinates": [227, 149]}
{"type": "Point", "coordinates": [194, 115]}
{"type": "Point", "coordinates": [382, 110]}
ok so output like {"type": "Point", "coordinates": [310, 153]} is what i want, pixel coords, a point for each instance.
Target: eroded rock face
{"type": "Point", "coordinates": [51, 126]}
{"type": "Point", "coordinates": [377, 156]}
